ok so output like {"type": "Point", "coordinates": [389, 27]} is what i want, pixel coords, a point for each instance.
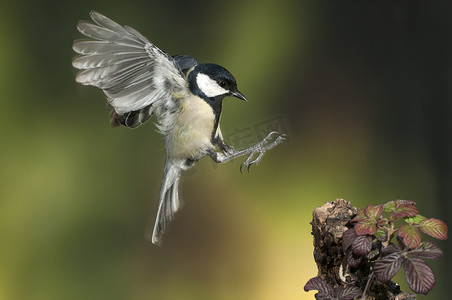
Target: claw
{"type": "Point", "coordinates": [258, 159]}
{"type": "Point", "coordinates": [247, 162]}
{"type": "Point", "coordinates": [261, 148]}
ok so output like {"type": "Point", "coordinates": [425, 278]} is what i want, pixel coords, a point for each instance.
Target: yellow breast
{"type": "Point", "coordinates": [192, 131]}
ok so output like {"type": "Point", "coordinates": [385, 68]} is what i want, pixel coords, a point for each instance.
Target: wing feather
{"type": "Point", "coordinates": [104, 60]}
{"type": "Point", "coordinates": [133, 73]}
{"type": "Point", "coordinates": [101, 47]}
{"type": "Point", "coordinates": [107, 23]}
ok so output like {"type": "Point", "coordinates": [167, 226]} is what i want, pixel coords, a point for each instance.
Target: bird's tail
{"type": "Point", "coordinates": [169, 202]}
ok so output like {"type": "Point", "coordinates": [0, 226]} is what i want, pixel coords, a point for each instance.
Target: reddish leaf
{"type": "Point", "coordinates": [426, 250]}
{"type": "Point", "coordinates": [391, 249]}
{"type": "Point", "coordinates": [354, 261]}
{"type": "Point", "coordinates": [401, 202]}
{"type": "Point", "coordinates": [348, 292]}
{"type": "Point", "coordinates": [386, 267]}
{"type": "Point", "coordinates": [362, 245]}
{"type": "Point", "coordinates": [347, 239]}
{"type": "Point", "coordinates": [365, 227]}
{"type": "Point", "coordinates": [323, 296]}
{"type": "Point", "coordinates": [411, 235]}
{"type": "Point", "coordinates": [374, 212]}
{"type": "Point", "coordinates": [317, 283]}
{"type": "Point", "coordinates": [392, 205]}
{"type": "Point", "coordinates": [435, 228]}
{"type": "Point", "coordinates": [360, 216]}
{"type": "Point", "coordinates": [404, 210]}
{"type": "Point", "coordinates": [419, 276]}
{"type": "Point", "coordinates": [382, 222]}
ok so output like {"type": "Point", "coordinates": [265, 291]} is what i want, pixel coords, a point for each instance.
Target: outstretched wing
{"type": "Point", "coordinates": [137, 77]}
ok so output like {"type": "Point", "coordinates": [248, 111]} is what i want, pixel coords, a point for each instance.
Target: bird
{"type": "Point", "coordinates": [140, 80]}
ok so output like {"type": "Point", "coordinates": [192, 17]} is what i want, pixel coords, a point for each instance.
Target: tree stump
{"type": "Point", "coordinates": [329, 222]}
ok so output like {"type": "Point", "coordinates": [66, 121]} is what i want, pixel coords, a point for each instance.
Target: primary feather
{"type": "Point", "coordinates": [132, 72]}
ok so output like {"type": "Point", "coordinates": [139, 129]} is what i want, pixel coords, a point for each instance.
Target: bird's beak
{"type": "Point", "coordinates": [239, 95]}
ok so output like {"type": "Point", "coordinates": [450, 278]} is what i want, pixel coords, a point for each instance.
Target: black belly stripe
{"type": "Point", "coordinates": [216, 104]}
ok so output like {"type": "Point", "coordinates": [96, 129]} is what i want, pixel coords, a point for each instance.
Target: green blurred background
{"type": "Point", "coordinates": [362, 88]}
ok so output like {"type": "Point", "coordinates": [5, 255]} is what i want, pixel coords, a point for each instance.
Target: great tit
{"type": "Point", "coordinates": [140, 80]}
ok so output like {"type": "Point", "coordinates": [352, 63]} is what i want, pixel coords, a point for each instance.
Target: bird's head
{"type": "Point", "coordinates": [211, 81]}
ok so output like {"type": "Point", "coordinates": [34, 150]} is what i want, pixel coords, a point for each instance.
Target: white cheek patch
{"type": "Point", "coordinates": [209, 86]}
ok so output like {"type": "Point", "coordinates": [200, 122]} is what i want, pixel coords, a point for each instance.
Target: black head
{"type": "Point", "coordinates": [211, 81]}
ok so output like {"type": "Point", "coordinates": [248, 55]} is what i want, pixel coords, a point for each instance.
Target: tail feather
{"type": "Point", "coordinates": [169, 202]}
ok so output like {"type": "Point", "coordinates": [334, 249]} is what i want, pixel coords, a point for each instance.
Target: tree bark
{"type": "Point", "coordinates": [329, 222]}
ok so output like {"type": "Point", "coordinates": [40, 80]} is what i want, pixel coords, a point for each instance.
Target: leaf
{"type": "Point", "coordinates": [375, 252]}
{"type": "Point", "coordinates": [389, 207]}
{"type": "Point", "coordinates": [354, 261]}
{"type": "Point", "coordinates": [362, 245]}
{"type": "Point", "coordinates": [404, 210]}
{"type": "Point", "coordinates": [391, 249]}
{"type": "Point", "coordinates": [411, 235]}
{"type": "Point", "coordinates": [347, 239]}
{"type": "Point", "coordinates": [419, 276]}
{"type": "Point", "coordinates": [381, 234]}
{"type": "Point", "coordinates": [365, 227]}
{"type": "Point", "coordinates": [400, 242]}
{"type": "Point", "coordinates": [383, 222]}
{"type": "Point", "coordinates": [386, 267]}
{"type": "Point", "coordinates": [414, 220]}
{"type": "Point", "coordinates": [426, 250]}
{"type": "Point", "coordinates": [348, 292]}
{"type": "Point", "coordinates": [374, 212]}
{"type": "Point", "coordinates": [320, 285]}
{"type": "Point", "coordinates": [360, 215]}
{"type": "Point", "coordinates": [434, 228]}
{"type": "Point", "coordinates": [323, 296]}
{"type": "Point", "coordinates": [392, 205]}
{"type": "Point", "coordinates": [401, 202]}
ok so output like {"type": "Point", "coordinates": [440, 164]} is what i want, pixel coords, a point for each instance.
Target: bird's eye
{"type": "Point", "coordinates": [222, 83]}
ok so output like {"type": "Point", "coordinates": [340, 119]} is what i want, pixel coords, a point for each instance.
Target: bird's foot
{"type": "Point", "coordinates": [227, 149]}
{"type": "Point", "coordinates": [270, 141]}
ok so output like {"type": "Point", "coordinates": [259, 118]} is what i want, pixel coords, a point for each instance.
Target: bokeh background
{"type": "Point", "coordinates": [362, 88]}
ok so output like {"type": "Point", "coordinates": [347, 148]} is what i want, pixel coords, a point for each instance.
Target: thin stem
{"type": "Point", "coordinates": [369, 280]}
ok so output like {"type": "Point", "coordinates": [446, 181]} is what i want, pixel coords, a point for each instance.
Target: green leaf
{"type": "Point", "coordinates": [389, 207]}
{"type": "Point", "coordinates": [434, 228]}
{"type": "Point", "coordinates": [411, 235]}
{"type": "Point", "coordinates": [381, 234]}
{"type": "Point", "coordinates": [414, 220]}
{"type": "Point", "coordinates": [419, 276]}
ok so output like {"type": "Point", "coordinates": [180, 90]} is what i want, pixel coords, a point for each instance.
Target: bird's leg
{"type": "Point", "coordinates": [224, 147]}
{"type": "Point", "coordinates": [261, 147]}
